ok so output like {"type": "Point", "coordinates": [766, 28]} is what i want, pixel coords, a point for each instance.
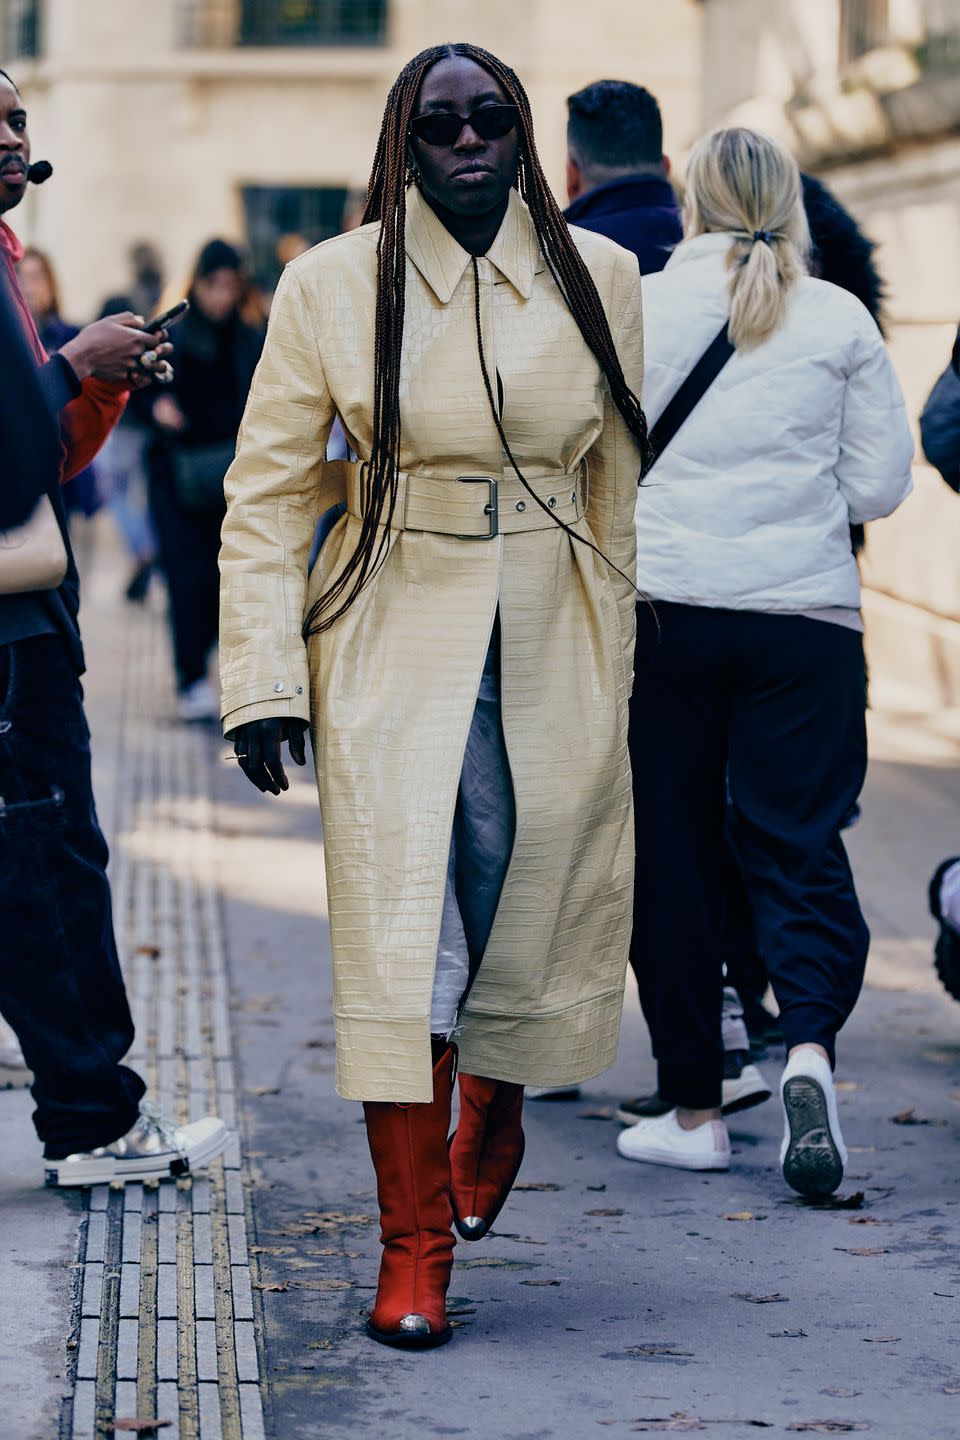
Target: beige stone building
{"type": "Point", "coordinates": [178, 119]}
{"type": "Point", "coordinates": [867, 93]}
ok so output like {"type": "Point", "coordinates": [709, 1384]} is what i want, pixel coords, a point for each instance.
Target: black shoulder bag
{"type": "Point", "coordinates": [689, 394]}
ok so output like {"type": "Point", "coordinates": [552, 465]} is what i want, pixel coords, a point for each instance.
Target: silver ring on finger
{"type": "Point", "coordinates": [149, 358]}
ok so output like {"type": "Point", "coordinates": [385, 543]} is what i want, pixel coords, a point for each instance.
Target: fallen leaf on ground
{"type": "Point", "coordinates": [274, 1285]}
{"type": "Point", "coordinates": [141, 1426]}
{"type": "Point", "coordinates": [318, 1284]}
{"type": "Point", "coordinates": [788, 1335]}
{"type": "Point", "coordinates": [843, 1391]}
{"type": "Point", "coordinates": [951, 1389]}
{"type": "Point", "coordinates": [653, 1350]}
{"type": "Point", "coordinates": [774, 1299]}
{"type": "Point", "coordinates": [679, 1423]}
{"type": "Point", "coordinates": [539, 1282]}
{"type": "Point", "coordinates": [270, 1249]}
{"type": "Point", "coordinates": [467, 1311]}
{"type": "Point", "coordinates": [319, 1045]}
{"type": "Point", "coordinates": [828, 1427]}
{"type": "Point", "coordinates": [258, 1090]}
{"type": "Point", "coordinates": [880, 1339]}
{"type": "Point", "coordinates": [867, 1220]}
{"type": "Point", "coordinates": [152, 952]}
{"type": "Point", "coordinates": [739, 1215]}
{"type": "Point", "coordinates": [846, 1084]}
{"type": "Point", "coordinates": [945, 1294]}
{"type": "Point", "coordinates": [609, 1213]}
{"type": "Point", "coordinates": [861, 1250]}
{"type": "Point", "coordinates": [320, 1345]}
{"type": "Point", "coordinates": [605, 1112]}
{"type": "Point", "coordinates": [538, 1185]}
{"type": "Point", "coordinates": [517, 1239]}
{"type": "Point", "coordinates": [910, 1117]}
{"type": "Point", "coordinates": [598, 1188]}
{"type": "Point", "coordinates": [494, 1263]}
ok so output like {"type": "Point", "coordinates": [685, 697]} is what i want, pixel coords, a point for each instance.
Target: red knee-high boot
{"type": "Point", "coordinates": [485, 1153]}
{"type": "Point", "coordinates": [408, 1144]}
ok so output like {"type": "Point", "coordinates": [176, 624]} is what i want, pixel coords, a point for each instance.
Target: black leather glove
{"type": "Point", "coordinates": [256, 745]}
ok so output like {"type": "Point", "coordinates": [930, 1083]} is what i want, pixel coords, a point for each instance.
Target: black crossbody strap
{"type": "Point", "coordinates": [690, 393]}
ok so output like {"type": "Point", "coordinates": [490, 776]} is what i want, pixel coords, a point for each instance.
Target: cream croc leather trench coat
{"type": "Point", "coordinates": [390, 689]}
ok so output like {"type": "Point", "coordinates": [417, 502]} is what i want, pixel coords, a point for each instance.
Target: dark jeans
{"type": "Point", "coordinates": [778, 701]}
{"type": "Point", "coordinates": [60, 983]}
{"type": "Point", "coordinates": [189, 543]}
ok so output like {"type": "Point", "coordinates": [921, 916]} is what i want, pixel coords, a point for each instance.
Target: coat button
{"type": "Point", "coordinates": [552, 502]}
{"type": "Point", "coordinates": [278, 687]}
{"type": "Point", "coordinates": [521, 504]}
{"type": "Point", "coordinates": [299, 689]}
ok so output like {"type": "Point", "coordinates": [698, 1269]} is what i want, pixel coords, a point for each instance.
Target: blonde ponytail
{"type": "Point", "coordinates": [743, 183]}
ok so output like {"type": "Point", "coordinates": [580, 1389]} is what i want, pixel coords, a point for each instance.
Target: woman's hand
{"type": "Point", "coordinates": [257, 746]}
{"type": "Point", "coordinates": [112, 348]}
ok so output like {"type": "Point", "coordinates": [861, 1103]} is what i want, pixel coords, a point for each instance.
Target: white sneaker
{"type": "Point", "coordinates": [198, 702]}
{"type": "Point", "coordinates": [745, 1090]}
{"type": "Point", "coordinates": [153, 1150]}
{"type": "Point", "coordinates": [14, 1072]}
{"type": "Point", "coordinates": [552, 1092]}
{"type": "Point", "coordinates": [663, 1142]}
{"type": "Point", "coordinates": [813, 1155]}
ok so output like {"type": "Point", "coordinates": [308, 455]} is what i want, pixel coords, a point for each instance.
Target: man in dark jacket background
{"type": "Point", "coordinates": [617, 172]}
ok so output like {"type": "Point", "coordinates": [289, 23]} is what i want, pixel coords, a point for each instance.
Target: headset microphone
{"type": "Point", "coordinates": [39, 171]}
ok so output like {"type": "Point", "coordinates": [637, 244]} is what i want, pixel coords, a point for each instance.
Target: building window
{"type": "Point", "coordinates": [283, 219]}
{"type": "Point", "coordinates": [283, 22]}
{"type": "Point", "coordinates": [21, 37]}
{"type": "Point", "coordinates": [864, 26]}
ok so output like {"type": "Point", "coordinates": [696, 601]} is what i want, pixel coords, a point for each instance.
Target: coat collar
{"type": "Point", "coordinates": [711, 246]}
{"type": "Point", "coordinates": [441, 260]}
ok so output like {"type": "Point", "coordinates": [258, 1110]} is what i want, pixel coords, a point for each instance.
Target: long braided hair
{"type": "Point", "coordinates": [386, 202]}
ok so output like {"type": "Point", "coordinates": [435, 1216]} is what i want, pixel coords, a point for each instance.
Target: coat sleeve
{"type": "Point", "coordinates": [614, 460]}
{"type": "Point", "coordinates": [272, 501]}
{"type": "Point", "coordinates": [88, 420]}
{"type": "Point", "coordinates": [876, 445]}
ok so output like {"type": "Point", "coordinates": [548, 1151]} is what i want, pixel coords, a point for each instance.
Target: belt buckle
{"type": "Point", "coordinates": [492, 507]}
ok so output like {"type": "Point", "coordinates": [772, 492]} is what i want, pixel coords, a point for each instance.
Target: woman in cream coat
{"type": "Point", "coordinates": [469, 633]}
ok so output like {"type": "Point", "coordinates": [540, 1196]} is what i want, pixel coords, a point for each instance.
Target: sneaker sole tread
{"type": "Point", "coordinates": [812, 1165]}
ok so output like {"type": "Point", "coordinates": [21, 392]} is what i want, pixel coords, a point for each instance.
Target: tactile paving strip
{"type": "Point", "coordinates": [165, 1315]}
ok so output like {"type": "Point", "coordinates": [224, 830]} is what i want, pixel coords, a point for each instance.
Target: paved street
{"type": "Point", "coordinates": [613, 1295]}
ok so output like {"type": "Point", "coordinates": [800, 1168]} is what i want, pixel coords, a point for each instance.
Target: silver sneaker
{"type": "Point", "coordinates": [14, 1073]}
{"type": "Point", "coordinates": [154, 1149]}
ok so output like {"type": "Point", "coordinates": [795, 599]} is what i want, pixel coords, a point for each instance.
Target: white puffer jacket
{"type": "Point", "coordinates": [749, 506]}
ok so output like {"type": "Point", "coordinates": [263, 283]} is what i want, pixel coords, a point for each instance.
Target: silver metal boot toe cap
{"type": "Point", "coordinates": [472, 1227]}
{"type": "Point", "coordinates": [415, 1325]}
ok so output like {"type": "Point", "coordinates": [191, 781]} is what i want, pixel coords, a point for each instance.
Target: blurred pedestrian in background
{"type": "Point", "coordinates": [196, 422]}
{"type": "Point", "coordinates": [122, 463]}
{"type": "Point", "coordinates": [752, 669]}
{"type": "Point", "coordinates": [617, 173]}
{"type": "Point", "coordinates": [38, 282]}
{"type": "Point", "coordinates": [145, 289]}
{"type": "Point", "coordinates": [940, 422]}
{"type": "Point", "coordinates": [61, 986]}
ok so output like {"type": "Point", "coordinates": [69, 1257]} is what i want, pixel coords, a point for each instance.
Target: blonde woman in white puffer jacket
{"type": "Point", "coordinates": [751, 675]}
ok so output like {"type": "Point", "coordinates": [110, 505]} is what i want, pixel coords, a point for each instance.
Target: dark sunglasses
{"type": "Point", "coordinates": [490, 122]}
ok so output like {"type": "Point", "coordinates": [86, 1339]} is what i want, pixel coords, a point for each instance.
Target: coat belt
{"type": "Point", "coordinates": [478, 506]}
